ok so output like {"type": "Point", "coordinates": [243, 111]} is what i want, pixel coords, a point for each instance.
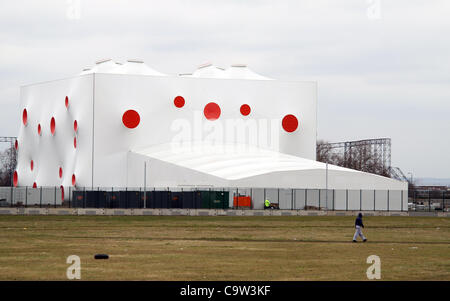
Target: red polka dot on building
{"type": "Point", "coordinates": [34, 185]}
{"type": "Point", "coordinates": [73, 180]}
{"type": "Point", "coordinates": [212, 111]}
{"type": "Point", "coordinates": [290, 123]}
{"type": "Point", "coordinates": [31, 165]}
{"type": "Point", "coordinates": [179, 101]}
{"type": "Point", "coordinates": [75, 142]}
{"type": "Point", "coordinates": [75, 126]}
{"type": "Point", "coordinates": [60, 172]}
{"type": "Point", "coordinates": [66, 102]}
{"type": "Point", "coordinates": [25, 117]}
{"type": "Point", "coordinates": [131, 119]}
{"type": "Point", "coordinates": [16, 145]}
{"type": "Point", "coordinates": [39, 129]}
{"type": "Point", "coordinates": [245, 109]}
{"type": "Point", "coordinates": [15, 178]}
{"type": "Point", "coordinates": [53, 125]}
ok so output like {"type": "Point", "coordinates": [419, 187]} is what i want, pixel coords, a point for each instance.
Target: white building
{"type": "Point", "coordinates": [215, 127]}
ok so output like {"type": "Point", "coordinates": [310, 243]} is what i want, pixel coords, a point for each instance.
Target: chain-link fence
{"type": "Point", "coordinates": [214, 198]}
{"type": "Point", "coordinates": [429, 200]}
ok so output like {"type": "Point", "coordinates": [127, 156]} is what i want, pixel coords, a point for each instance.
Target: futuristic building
{"type": "Point", "coordinates": [127, 125]}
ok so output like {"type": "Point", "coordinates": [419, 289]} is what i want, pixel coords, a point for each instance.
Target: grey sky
{"type": "Point", "coordinates": [385, 75]}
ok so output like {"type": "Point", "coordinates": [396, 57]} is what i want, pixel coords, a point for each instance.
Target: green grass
{"type": "Point", "coordinates": [223, 248]}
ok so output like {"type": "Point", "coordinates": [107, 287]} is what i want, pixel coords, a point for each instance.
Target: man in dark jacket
{"type": "Point", "coordinates": [358, 225]}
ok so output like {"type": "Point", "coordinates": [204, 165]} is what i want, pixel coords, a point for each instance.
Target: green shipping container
{"type": "Point", "coordinates": [214, 199]}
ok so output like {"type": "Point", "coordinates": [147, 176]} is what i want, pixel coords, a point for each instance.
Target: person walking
{"type": "Point", "coordinates": [358, 225]}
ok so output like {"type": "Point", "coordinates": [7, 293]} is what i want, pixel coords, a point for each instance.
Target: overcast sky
{"type": "Point", "coordinates": [382, 67]}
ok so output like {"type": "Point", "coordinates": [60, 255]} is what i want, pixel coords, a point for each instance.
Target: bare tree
{"type": "Point", "coordinates": [8, 161]}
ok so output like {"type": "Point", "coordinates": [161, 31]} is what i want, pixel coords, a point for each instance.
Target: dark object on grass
{"type": "Point", "coordinates": [101, 256]}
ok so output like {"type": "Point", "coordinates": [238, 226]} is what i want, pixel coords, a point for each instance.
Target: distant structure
{"type": "Point", "coordinates": [369, 155]}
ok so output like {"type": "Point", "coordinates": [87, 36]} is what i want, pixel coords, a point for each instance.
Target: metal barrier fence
{"type": "Point", "coordinates": [207, 198]}
{"type": "Point", "coordinates": [429, 200]}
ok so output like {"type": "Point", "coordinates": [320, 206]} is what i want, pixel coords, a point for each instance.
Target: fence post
{"type": "Point", "coordinates": [111, 199]}
{"type": "Point", "coordinates": [12, 195]}
{"type": "Point", "coordinates": [319, 197]}
{"type": "Point", "coordinates": [223, 199]}
{"type": "Point", "coordinates": [429, 201]}
{"type": "Point", "coordinates": [401, 201]}
{"type": "Point", "coordinates": [169, 203]}
{"type": "Point", "coordinates": [182, 198]}
{"type": "Point", "coordinates": [346, 200]}
{"type": "Point", "coordinates": [26, 196]}
{"type": "Point", "coordinates": [98, 197]}
{"type": "Point", "coordinates": [443, 200]}
{"type": "Point", "coordinates": [84, 197]}
{"type": "Point", "coordinates": [264, 201]}
{"type": "Point", "coordinates": [209, 198]}
{"type": "Point", "coordinates": [388, 200]}
{"type": "Point", "coordinates": [237, 197]}
{"type": "Point", "coordinates": [374, 200]}
{"type": "Point", "coordinates": [55, 197]}
{"type": "Point", "coordinates": [70, 196]}
{"type": "Point", "coordinates": [306, 199]}
{"type": "Point", "coordinates": [40, 198]}
{"type": "Point", "coordinates": [278, 196]}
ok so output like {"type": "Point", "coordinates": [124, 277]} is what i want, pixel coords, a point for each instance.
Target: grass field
{"type": "Point", "coordinates": [223, 248]}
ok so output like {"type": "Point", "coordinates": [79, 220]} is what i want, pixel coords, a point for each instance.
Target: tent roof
{"type": "Point", "coordinates": [231, 161]}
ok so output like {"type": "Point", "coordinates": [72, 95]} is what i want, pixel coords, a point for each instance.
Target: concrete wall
{"type": "Point", "coordinates": [205, 212]}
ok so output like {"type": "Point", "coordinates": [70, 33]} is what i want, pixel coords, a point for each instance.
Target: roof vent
{"type": "Point", "coordinates": [102, 61]}
{"type": "Point", "coordinates": [204, 65]}
{"type": "Point", "coordinates": [136, 61]}
{"type": "Point", "coordinates": [239, 65]}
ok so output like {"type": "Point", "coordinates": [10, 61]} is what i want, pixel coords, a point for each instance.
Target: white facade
{"type": "Point", "coordinates": [256, 146]}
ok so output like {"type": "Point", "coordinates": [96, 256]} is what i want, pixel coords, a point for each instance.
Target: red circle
{"type": "Point", "coordinates": [179, 101]}
{"type": "Point", "coordinates": [62, 192]}
{"type": "Point", "coordinates": [245, 109]}
{"type": "Point", "coordinates": [74, 142]}
{"type": "Point", "coordinates": [52, 126]}
{"type": "Point", "coordinates": [131, 119]}
{"type": "Point", "coordinates": [16, 144]}
{"type": "Point", "coordinates": [290, 123]}
{"type": "Point", "coordinates": [73, 180]}
{"type": "Point", "coordinates": [34, 185]}
{"type": "Point", "coordinates": [66, 101]}
{"type": "Point", "coordinates": [75, 126]}
{"type": "Point", "coordinates": [60, 172]}
{"type": "Point", "coordinates": [24, 116]}
{"type": "Point", "coordinates": [31, 165]}
{"type": "Point", "coordinates": [15, 178]}
{"type": "Point", "coordinates": [39, 129]}
{"type": "Point", "coordinates": [212, 111]}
